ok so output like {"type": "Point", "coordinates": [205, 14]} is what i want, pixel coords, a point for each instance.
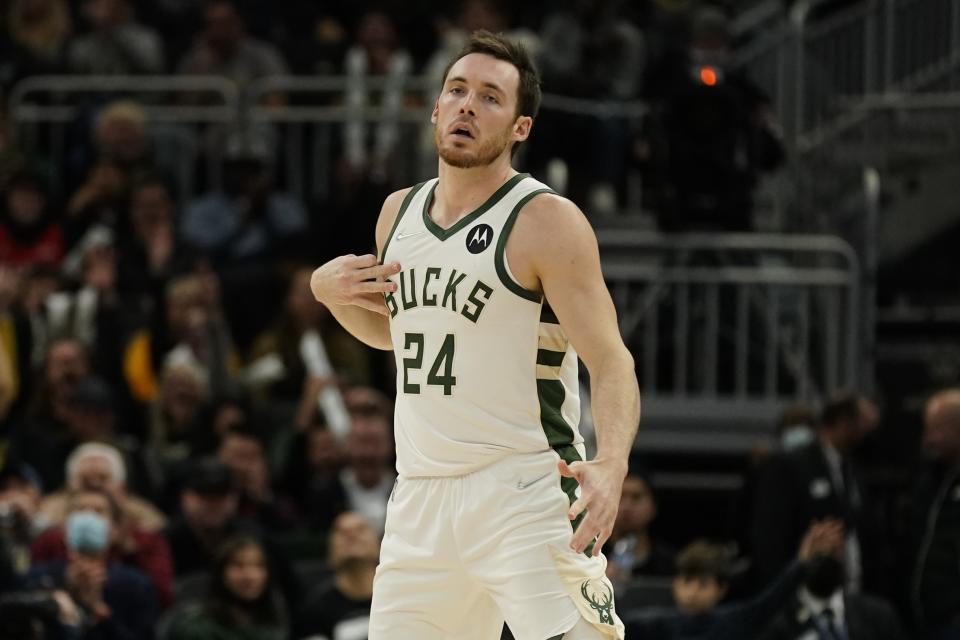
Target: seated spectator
{"type": "Point", "coordinates": [312, 475]}
{"type": "Point", "coordinates": [368, 477]}
{"type": "Point", "coordinates": [701, 581]}
{"type": "Point", "coordinates": [241, 604]}
{"type": "Point", "coordinates": [933, 517]}
{"type": "Point", "coordinates": [117, 602]}
{"type": "Point", "coordinates": [208, 518]}
{"type": "Point", "coordinates": [223, 48]}
{"type": "Point", "coordinates": [129, 545]}
{"type": "Point", "coordinates": [100, 466]}
{"type": "Point", "coordinates": [822, 609]}
{"type": "Point", "coordinates": [116, 44]}
{"type": "Point", "coordinates": [29, 231]}
{"type": "Point", "coordinates": [20, 518]}
{"type": "Point", "coordinates": [242, 449]}
{"type": "Point", "coordinates": [121, 152]}
{"type": "Point", "coordinates": [248, 219]}
{"type": "Point", "coordinates": [37, 32]}
{"type": "Point", "coordinates": [635, 551]}
{"type": "Point", "coordinates": [153, 251]}
{"type": "Point", "coordinates": [337, 608]}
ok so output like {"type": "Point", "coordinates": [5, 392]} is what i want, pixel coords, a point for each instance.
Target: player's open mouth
{"type": "Point", "coordinates": [461, 131]}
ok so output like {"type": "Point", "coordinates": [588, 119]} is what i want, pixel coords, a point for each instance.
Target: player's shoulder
{"type": "Point", "coordinates": [549, 213]}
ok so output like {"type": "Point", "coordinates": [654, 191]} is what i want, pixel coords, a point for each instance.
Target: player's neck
{"type": "Point", "coordinates": [460, 191]}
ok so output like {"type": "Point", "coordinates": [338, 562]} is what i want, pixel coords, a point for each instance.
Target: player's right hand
{"type": "Point", "coordinates": [354, 280]}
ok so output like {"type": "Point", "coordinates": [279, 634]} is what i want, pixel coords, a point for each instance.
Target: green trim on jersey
{"type": "Point", "coordinates": [547, 315]}
{"type": "Point", "coordinates": [442, 233]}
{"type": "Point", "coordinates": [403, 207]}
{"type": "Point", "coordinates": [551, 395]}
{"type": "Point", "coordinates": [550, 358]}
{"type": "Point", "coordinates": [499, 258]}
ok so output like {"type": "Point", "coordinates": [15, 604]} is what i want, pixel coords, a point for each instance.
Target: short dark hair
{"type": "Point", "coordinates": [500, 47]}
{"type": "Point", "coordinates": [703, 559]}
{"type": "Point", "coordinates": [116, 511]}
{"type": "Point", "coordinates": [841, 407]}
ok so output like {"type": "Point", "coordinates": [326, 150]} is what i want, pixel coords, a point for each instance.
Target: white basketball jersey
{"type": "Point", "coordinates": [483, 368]}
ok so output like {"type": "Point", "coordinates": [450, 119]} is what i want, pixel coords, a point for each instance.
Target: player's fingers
{"type": "Point", "coordinates": [378, 271]}
{"type": "Point", "coordinates": [568, 470]}
{"type": "Point", "coordinates": [362, 262]}
{"type": "Point", "coordinates": [578, 507]}
{"type": "Point", "coordinates": [374, 286]}
{"type": "Point", "coordinates": [585, 534]}
{"type": "Point", "coordinates": [601, 540]}
{"type": "Point", "coordinates": [372, 304]}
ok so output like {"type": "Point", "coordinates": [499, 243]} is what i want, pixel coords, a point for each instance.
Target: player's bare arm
{"type": "Point", "coordinates": [553, 250]}
{"type": "Point", "coordinates": [352, 286]}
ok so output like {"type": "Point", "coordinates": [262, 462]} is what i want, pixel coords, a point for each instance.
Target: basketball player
{"type": "Point", "coordinates": [487, 288]}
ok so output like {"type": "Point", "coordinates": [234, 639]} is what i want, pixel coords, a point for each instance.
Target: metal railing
{"type": "Point", "coordinates": [727, 328]}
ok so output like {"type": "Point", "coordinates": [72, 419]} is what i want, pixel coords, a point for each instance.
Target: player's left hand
{"type": "Point", "coordinates": [601, 482]}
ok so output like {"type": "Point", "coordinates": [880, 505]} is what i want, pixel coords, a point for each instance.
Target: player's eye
{"type": "Point", "coordinates": [493, 99]}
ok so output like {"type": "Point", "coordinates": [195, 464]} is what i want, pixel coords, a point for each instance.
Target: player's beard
{"type": "Point", "coordinates": [485, 154]}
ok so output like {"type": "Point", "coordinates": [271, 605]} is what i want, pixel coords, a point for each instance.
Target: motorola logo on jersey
{"type": "Point", "coordinates": [479, 238]}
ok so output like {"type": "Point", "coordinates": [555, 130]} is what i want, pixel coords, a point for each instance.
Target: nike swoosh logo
{"type": "Point", "coordinates": [401, 236]}
{"type": "Point", "coordinates": [523, 485]}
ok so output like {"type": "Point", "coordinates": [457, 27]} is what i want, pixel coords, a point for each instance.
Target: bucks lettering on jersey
{"type": "Point", "coordinates": [483, 368]}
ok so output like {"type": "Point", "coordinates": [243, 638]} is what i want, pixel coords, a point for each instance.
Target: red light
{"type": "Point", "coordinates": [708, 76]}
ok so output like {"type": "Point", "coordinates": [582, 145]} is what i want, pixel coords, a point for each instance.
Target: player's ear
{"type": "Point", "coordinates": [435, 112]}
{"type": "Point", "coordinates": [521, 128]}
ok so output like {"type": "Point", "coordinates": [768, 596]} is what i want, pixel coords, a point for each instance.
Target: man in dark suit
{"type": "Point", "coordinates": [816, 482]}
{"type": "Point", "coordinates": [822, 611]}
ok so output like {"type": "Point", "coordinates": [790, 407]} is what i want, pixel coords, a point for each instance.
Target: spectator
{"type": "Point", "coordinates": [635, 551]}
{"type": "Point", "coordinates": [368, 477]}
{"type": "Point", "coordinates": [311, 474]}
{"type": "Point", "coordinates": [100, 466]}
{"type": "Point", "coordinates": [797, 427]}
{"type": "Point", "coordinates": [154, 251]}
{"type": "Point", "coordinates": [934, 522]}
{"type": "Point", "coordinates": [122, 152]}
{"type": "Point", "coordinates": [701, 581]}
{"type": "Point", "coordinates": [283, 344]}
{"type": "Point", "coordinates": [20, 518]}
{"type": "Point", "coordinates": [821, 609]}
{"type": "Point", "coordinates": [248, 219]}
{"type": "Point", "coordinates": [712, 133]}
{"type": "Point", "coordinates": [29, 231]}
{"type": "Point", "coordinates": [819, 481]}
{"type": "Point", "coordinates": [377, 53]}
{"type": "Point", "coordinates": [117, 602]}
{"type": "Point", "coordinates": [241, 603]}
{"type": "Point", "coordinates": [208, 518]}
{"type": "Point", "coordinates": [116, 43]}
{"type": "Point", "coordinates": [129, 544]}
{"type": "Point", "coordinates": [341, 607]}
{"type": "Point", "coordinates": [177, 429]}
{"type": "Point", "coordinates": [37, 34]}
{"type": "Point", "coordinates": [224, 49]}
{"type": "Point", "coordinates": [243, 451]}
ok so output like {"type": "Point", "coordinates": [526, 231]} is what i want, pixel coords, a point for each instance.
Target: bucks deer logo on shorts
{"type": "Point", "coordinates": [600, 601]}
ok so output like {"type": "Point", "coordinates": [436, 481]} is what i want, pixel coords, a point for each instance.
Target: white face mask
{"type": "Point", "coordinates": [796, 436]}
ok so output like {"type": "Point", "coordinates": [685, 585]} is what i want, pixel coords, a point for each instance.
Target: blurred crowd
{"type": "Point", "coordinates": [191, 446]}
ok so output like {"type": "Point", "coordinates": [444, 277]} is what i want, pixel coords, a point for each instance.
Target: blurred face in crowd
{"type": "Point", "coordinates": [25, 204]}
{"type": "Point", "coordinates": [941, 427]}
{"type": "Point", "coordinates": [637, 508]}
{"type": "Point", "coordinates": [122, 138]}
{"type": "Point", "coordinates": [88, 423]}
{"type": "Point", "coordinates": [323, 451]}
{"type": "Point", "coordinates": [208, 511]}
{"type": "Point", "coordinates": [94, 472]}
{"type": "Point", "coordinates": [301, 305]}
{"type": "Point", "coordinates": [352, 540]}
{"type": "Point", "coordinates": [368, 445]}
{"type": "Point", "coordinates": [228, 416]}
{"type": "Point", "coordinates": [22, 496]}
{"type": "Point", "coordinates": [224, 31]}
{"type": "Point", "coordinates": [481, 14]}
{"type": "Point", "coordinates": [475, 118]}
{"type": "Point", "coordinates": [92, 501]}
{"type": "Point", "coordinates": [182, 396]}
{"type": "Point", "coordinates": [378, 37]}
{"type": "Point", "coordinates": [245, 457]}
{"type": "Point", "coordinates": [187, 311]}
{"type": "Point", "coordinates": [102, 14]}
{"type": "Point", "coordinates": [66, 364]}
{"type": "Point", "coordinates": [246, 573]}
{"type": "Point", "coordinates": [696, 595]}
{"type": "Point", "coordinates": [152, 210]}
